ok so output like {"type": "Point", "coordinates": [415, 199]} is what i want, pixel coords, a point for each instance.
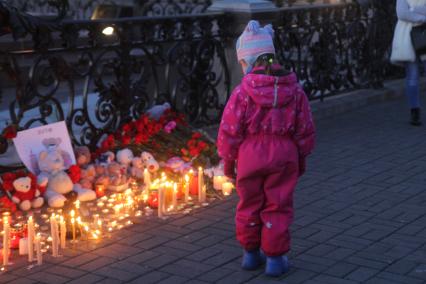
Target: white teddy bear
{"type": "Point", "coordinates": [52, 167]}
{"type": "Point", "coordinates": [149, 162]}
{"type": "Point", "coordinates": [124, 158]}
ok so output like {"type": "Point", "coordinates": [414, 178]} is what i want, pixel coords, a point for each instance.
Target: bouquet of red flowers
{"type": "Point", "coordinates": [170, 136]}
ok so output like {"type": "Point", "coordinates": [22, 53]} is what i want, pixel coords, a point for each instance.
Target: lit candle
{"type": "Point", "coordinates": [96, 219]}
{"type": "Point", "coordinates": [77, 204]}
{"type": "Point", "coordinates": [6, 235]}
{"type": "Point", "coordinates": [201, 196]}
{"type": "Point", "coordinates": [100, 190]}
{"type": "Point", "coordinates": [147, 178]}
{"type": "Point", "coordinates": [160, 202]}
{"type": "Point", "coordinates": [186, 188]}
{"type": "Point", "coordinates": [73, 229]}
{"type": "Point", "coordinates": [31, 235]}
{"type": "Point", "coordinates": [38, 249]}
{"type": "Point", "coordinates": [218, 181]}
{"type": "Point", "coordinates": [54, 234]}
{"type": "Point", "coordinates": [63, 232]}
{"type": "Point", "coordinates": [174, 197]}
{"type": "Point", "coordinates": [227, 188]}
{"type": "Point", "coordinates": [23, 246]}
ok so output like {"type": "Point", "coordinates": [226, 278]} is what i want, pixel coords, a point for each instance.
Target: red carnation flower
{"type": "Point", "coordinates": [126, 140]}
{"type": "Point", "coordinates": [127, 128]}
{"type": "Point", "coordinates": [196, 135]}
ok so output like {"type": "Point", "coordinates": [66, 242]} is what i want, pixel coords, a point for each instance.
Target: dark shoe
{"type": "Point", "coordinates": [276, 265]}
{"type": "Point", "coordinates": [252, 260]}
{"type": "Point", "coordinates": [415, 117]}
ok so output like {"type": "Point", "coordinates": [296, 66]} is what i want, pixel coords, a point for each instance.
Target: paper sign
{"type": "Point", "coordinates": [52, 137]}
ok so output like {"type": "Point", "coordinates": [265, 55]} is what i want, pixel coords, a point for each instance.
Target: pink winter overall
{"type": "Point", "coordinates": [267, 128]}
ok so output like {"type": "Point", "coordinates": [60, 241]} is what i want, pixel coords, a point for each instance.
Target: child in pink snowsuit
{"type": "Point", "coordinates": [267, 128]}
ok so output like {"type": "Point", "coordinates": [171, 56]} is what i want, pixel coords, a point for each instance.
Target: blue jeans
{"type": "Point", "coordinates": [412, 82]}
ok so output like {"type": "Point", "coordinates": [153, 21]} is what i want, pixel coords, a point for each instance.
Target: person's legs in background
{"type": "Point", "coordinates": [412, 91]}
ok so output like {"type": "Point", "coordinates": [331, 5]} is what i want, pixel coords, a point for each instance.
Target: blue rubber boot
{"type": "Point", "coordinates": [276, 265]}
{"type": "Point", "coordinates": [252, 260]}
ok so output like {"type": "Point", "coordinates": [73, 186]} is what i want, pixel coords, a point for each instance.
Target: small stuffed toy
{"type": "Point", "coordinates": [83, 156]}
{"type": "Point", "coordinates": [117, 180]}
{"type": "Point", "coordinates": [177, 165]}
{"type": "Point", "coordinates": [26, 196]}
{"type": "Point", "coordinates": [101, 175]}
{"type": "Point", "coordinates": [124, 158]}
{"type": "Point", "coordinates": [157, 111]}
{"type": "Point", "coordinates": [88, 172]}
{"type": "Point", "coordinates": [136, 171]}
{"type": "Point", "coordinates": [106, 158]}
{"type": "Point", "coordinates": [23, 189]}
{"type": "Point", "coordinates": [149, 162]}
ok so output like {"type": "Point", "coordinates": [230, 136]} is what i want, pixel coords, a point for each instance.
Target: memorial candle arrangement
{"type": "Point", "coordinates": [113, 211]}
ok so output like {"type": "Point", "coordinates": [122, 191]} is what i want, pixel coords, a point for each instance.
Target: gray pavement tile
{"type": "Point", "coordinates": [152, 277]}
{"type": "Point", "coordinates": [362, 274]}
{"type": "Point", "coordinates": [48, 278]}
{"type": "Point", "coordinates": [86, 279]}
{"type": "Point", "coordinates": [118, 274]}
{"type": "Point", "coordinates": [174, 280]}
{"type": "Point", "coordinates": [341, 269]}
{"type": "Point", "coordinates": [215, 274]}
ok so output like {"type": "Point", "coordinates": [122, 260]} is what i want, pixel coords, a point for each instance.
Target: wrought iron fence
{"type": "Point", "coordinates": [73, 71]}
{"type": "Point", "coordinates": [337, 48]}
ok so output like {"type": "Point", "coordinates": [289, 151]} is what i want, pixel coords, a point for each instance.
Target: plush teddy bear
{"type": "Point", "coordinates": [88, 172]}
{"type": "Point", "coordinates": [124, 158]}
{"type": "Point", "coordinates": [51, 165]}
{"type": "Point", "coordinates": [136, 171]}
{"type": "Point", "coordinates": [157, 111]}
{"type": "Point", "coordinates": [117, 179]}
{"type": "Point", "coordinates": [83, 156]}
{"type": "Point", "coordinates": [52, 144]}
{"type": "Point", "coordinates": [26, 196]}
{"type": "Point", "coordinates": [149, 162]}
{"type": "Point", "coordinates": [101, 175]}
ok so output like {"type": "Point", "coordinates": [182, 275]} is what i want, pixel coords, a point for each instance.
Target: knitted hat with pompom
{"type": "Point", "coordinates": [253, 42]}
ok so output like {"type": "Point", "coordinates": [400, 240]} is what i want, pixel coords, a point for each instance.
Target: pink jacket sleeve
{"type": "Point", "coordinates": [305, 128]}
{"type": "Point", "coordinates": [231, 132]}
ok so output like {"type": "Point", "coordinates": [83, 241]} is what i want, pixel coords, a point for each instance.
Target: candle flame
{"type": "Point", "coordinates": [186, 178]}
{"type": "Point", "coordinates": [72, 213]}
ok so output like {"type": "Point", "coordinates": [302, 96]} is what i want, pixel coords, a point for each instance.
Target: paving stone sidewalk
{"type": "Point", "coordinates": [360, 218]}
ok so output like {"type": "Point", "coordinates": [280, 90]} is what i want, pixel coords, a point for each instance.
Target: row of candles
{"type": "Point", "coordinates": [117, 210]}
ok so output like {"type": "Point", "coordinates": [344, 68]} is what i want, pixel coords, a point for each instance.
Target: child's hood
{"type": "Point", "coordinates": [268, 90]}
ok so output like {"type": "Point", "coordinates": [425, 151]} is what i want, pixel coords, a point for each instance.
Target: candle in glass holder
{"type": "Point", "coordinates": [31, 235]}
{"type": "Point", "coordinates": [77, 204]}
{"type": "Point", "coordinates": [227, 188]}
{"type": "Point", "coordinates": [218, 181]}
{"type": "Point", "coordinates": [100, 190]}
